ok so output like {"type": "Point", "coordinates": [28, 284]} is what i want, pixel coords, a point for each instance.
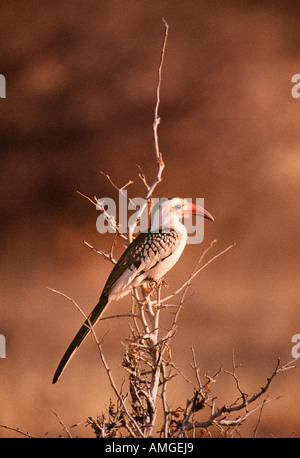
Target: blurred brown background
{"type": "Point", "coordinates": [81, 79]}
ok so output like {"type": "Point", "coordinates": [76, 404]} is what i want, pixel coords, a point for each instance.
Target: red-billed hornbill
{"type": "Point", "coordinates": [148, 257]}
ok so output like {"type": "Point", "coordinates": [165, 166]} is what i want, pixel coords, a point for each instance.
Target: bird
{"type": "Point", "coordinates": [147, 258]}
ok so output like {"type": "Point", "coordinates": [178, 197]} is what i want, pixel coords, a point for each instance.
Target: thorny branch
{"type": "Point", "coordinates": [219, 417]}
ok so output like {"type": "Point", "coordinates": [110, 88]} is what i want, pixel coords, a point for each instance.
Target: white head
{"type": "Point", "coordinates": [168, 213]}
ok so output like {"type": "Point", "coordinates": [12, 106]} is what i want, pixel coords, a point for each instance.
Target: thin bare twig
{"type": "Point", "coordinates": [62, 424]}
{"type": "Point", "coordinates": [158, 155]}
{"type": "Point", "coordinates": [17, 430]}
{"type": "Point", "coordinates": [192, 276]}
{"type": "Point", "coordinates": [163, 398]}
{"type": "Point", "coordinates": [108, 256]}
{"type": "Point", "coordinates": [143, 178]}
{"type": "Point", "coordinates": [259, 418]}
{"type": "Point", "coordinates": [237, 382]}
{"type": "Point", "coordinates": [156, 115]}
{"type": "Point", "coordinates": [196, 369]}
{"type": "Point", "coordinates": [113, 184]}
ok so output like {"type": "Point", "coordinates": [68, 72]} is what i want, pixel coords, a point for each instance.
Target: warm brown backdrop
{"type": "Point", "coordinates": [81, 80]}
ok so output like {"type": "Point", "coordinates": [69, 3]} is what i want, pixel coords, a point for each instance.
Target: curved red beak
{"type": "Point", "coordinates": [193, 209]}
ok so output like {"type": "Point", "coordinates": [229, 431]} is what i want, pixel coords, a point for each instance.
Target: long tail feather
{"type": "Point", "coordinates": [80, 336]}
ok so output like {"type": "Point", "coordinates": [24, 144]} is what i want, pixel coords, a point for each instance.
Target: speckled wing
{"type": "Point", "coordinates": [146, 251]}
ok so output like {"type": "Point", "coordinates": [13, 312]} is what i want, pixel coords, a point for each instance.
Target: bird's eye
{"type": "Point", "coordinates": [178, 206]}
